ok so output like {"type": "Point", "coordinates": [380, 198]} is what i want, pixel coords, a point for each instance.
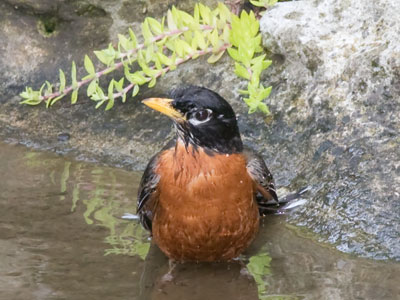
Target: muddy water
{"type": "Point", "coordinates": [61, 237]}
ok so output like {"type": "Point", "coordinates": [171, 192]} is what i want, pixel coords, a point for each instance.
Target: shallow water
{"type": "Point", "coordinates": [61, 237]}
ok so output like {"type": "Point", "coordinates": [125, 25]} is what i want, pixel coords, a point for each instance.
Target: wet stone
{"type": "Point", "coordinates": [63, 137]}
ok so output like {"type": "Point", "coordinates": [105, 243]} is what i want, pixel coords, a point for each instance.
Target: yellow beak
{"type": "Point", "coordinates": [164, 106]}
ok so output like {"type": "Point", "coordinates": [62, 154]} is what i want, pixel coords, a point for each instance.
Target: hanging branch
{"type": "Point", "coordinates": [164, 47]}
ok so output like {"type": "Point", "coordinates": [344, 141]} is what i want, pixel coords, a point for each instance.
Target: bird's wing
{"type": "Point", "coordinates": [262, 177]}
{"type": "Point", "coordinates": [147, 193]}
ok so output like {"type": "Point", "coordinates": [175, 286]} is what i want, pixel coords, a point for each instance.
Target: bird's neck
{"type": "Point", "coordinates": [211, 144]}
{"type": "Point", "coordinates": [227, 147]}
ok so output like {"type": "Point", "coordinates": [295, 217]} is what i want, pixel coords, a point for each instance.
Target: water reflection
{"type": "Point", "coordinates": [100, 191]}
{"type": "Point", "coordinates": [61, 237]}
{"type": "Point", "coordinates": [259, 266]}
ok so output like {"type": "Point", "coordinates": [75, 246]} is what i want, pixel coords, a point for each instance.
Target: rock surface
{"type": "Point", "coordinates": [39, 38]}
{"type": "Point", "coordinates": [338, 98]}
{"type": "Point", "coordinates": [335, 103]}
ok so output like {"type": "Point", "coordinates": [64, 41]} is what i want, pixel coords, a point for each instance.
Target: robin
{"type": "Point", "coordinates": [202, 195]}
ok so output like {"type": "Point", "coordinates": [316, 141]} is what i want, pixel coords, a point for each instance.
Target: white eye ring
{"type": "Point", "coordinates": [200, 116]}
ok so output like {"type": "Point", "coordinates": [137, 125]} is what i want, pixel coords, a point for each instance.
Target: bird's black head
{"type": "Point", "coordinates": [202, 118]}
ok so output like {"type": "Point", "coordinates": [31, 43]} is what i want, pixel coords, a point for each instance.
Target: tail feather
{"type": "Point", "coordinates": [285, 204]}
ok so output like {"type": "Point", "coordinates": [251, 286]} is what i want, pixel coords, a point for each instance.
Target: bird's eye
{"type": "Point", "coordinates": [200, 116]}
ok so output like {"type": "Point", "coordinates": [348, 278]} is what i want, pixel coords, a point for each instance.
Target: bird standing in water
{"type": "Point", "coordinates": [201, 197]}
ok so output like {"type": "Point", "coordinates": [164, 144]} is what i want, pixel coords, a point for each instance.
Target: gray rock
{"type": "Point", "coordinates": [337, 98]}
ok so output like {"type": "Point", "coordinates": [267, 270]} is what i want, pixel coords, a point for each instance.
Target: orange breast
{"type": "Point", "coordinates": [206, 209]}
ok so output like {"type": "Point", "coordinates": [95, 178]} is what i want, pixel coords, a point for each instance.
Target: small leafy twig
{"type": "Point", "coordinates": [176, 39]}
{"type": "Point", "coordinates": [166, 69]}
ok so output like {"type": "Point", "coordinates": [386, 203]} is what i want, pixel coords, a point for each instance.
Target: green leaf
{"type": "Point", "coordinates": [173, 59]}
{"type": "Point", "coordinates": [164, 59]}
{"type": "Point", "coordinates": [205, 13]}
{"type": "Point", "coordinates": [138, 78]}
{"type": "Point", "coordinates": [56, 99]}
{"type": "Point", "coordinates": [124, 42]}
{"type": "Point", "coordinates": [245, 54]}
{"type": "Point", "coordinates": [265, 92]}
{"type": "Point", "coordinates": [62, 81]}
{"type": "Point", "coordinates": [89, 65]}
{"type": "Point", "coordinates": [133, 38]}
{"type": "Point", "coordinates": [41, 88]}
{"type": "Point", "coordinates": [149, 54]}
{"type": "Point", "coordinates": [241, 71]}
{"type": "Point", "coordinates": [257, 3]}
{"type": "Point", "coordinates": [152, 82]}
{"type": "Point", "coordinates": [157, 63]}
{"type": "Point", "coordinates": [31, 102]}
{"type": "Point", "coordinates": [258, 59]}
{"type": "Point", "coordinates": [234, 54]}
{"type": "Point", "coordinates": [235, 33]}
{"type": "Point", "coordinates": [110, 53]}
{"type": "Point", "coordinates": [226, 33]}
{"type": "Point", "coordinates": [48, 102]}
{"type": "Point", "coordinates": [215, 57]}
{"type": "Point", "coordinates": [200, 40]}
{"type": "Point", "coordinates": [213, 37]}
{"type": "Point", "coordinates": [110, 93]}
{"type": "Point", "coordinates": [176, 16]}
{"type": "Point", "coordinates": [188, 20]}
{"type": "Point", "coordinates": [100, 93]}
{"type": "Point", "coordinates": [119, 85]}
{"type": "Point", "coordinates": [179, 48]}
{"type": "Point", "coordinates": [263, 3]}
{"type": "Point", "coordinates": [103, 57]}
{"type": "Point", "coordinates": [254, 27]}
{"type": "Point", "coordinates": [100, 103]}
{"type": "Point", "coordinates": [146, 69]}
{"type": "Point", "coordinates": [263, 108]}
{"type": "Point", "coordinates": [154, 25]}
{"type": "Point", "coordinates": [251, 104]}
{"type": "Point", "coordinates": [25, 94]}
{"type": "Point", "coordinates": [135, 90]}
{"type": "Point", "coordinates": [147, 35]}
{"type": "Point", "coordinates": [110, 104]}
{"type": "Point", "coordinates": [188, 36]}
{"type": "Point", "coordinates": [257, 44]}
{"type": "Point", "coordinates": [49, 89]}
{"type": "Point", "coordinates": [186, 47]}
{"type": "Point", "coordinates": [149, 72]}
{"type": "Point", "coordinates": [224, 12]}
{"type": "Point", "coordinates": [163, 24]}
{"type": "Point", "coordinates": [196, 13]}
{"type": "Point", "coordinates": [90, 76]}
{"type": "Point", "coordinates": [74, 96]}
{"type": "Point", "coordinates": [266, 64]}
{"type": "Point", "coordinates": [127, 73]}
{"type": "Point", "coordinates": [170, 21]}
{"type": "Point", "coordinates": [92, 88]}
